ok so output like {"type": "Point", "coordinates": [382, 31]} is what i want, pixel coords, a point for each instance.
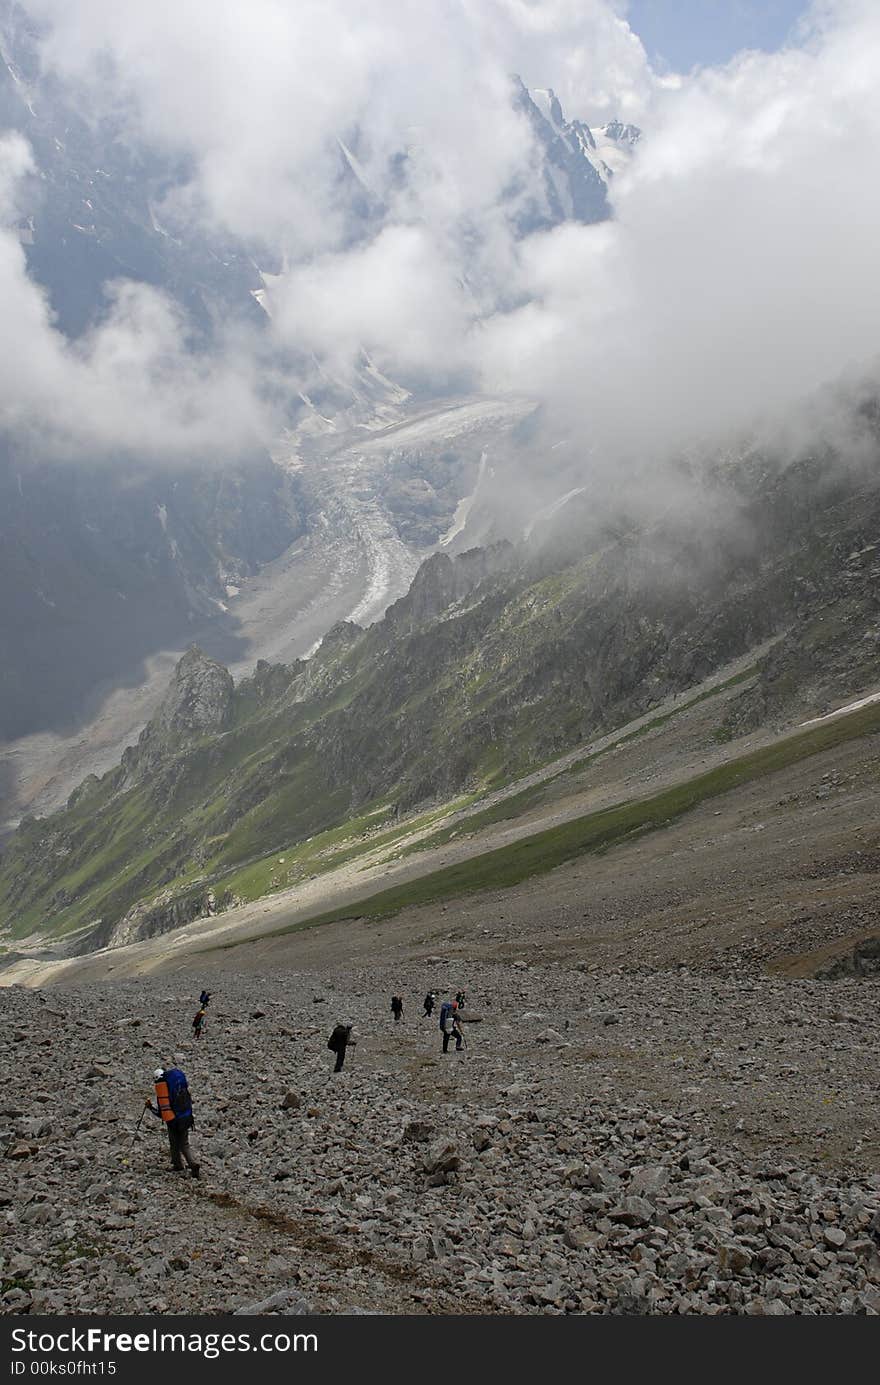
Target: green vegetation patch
{"type": "Point", "coordinates": [509, 865]}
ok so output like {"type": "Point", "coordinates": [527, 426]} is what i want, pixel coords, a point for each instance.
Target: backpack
{"type": "Point", "coordinates": [178, 1092]}
{"type": "Point", "coordinates": [338, 1038]}
{"type": "Point", "coordinates": [445, 1012]}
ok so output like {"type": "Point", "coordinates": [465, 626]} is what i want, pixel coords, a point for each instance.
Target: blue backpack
{"type": "Point", "coordinates": [178, 1093]}
{"type": "Point", "coordinates": [445, 1012]}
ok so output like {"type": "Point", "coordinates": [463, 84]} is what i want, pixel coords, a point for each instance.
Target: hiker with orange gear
{"type": "Point", "coordinates": [174, 1107]}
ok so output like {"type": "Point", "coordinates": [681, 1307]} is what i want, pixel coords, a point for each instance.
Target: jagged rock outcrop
{"type": "Point", "coordinates": [197, 703]}
{"type": "Point", "coordinates": [441, 581]}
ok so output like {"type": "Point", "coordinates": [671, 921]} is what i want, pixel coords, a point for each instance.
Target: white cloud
{"type": "Point", "coordinates": [131, 383]}
{"type": "Point", "coordinates": [740, 272]}
{"type": "Point", "coordinates": [16, 165]}
{"type": "Point", "coordinates": [397, 296]}
{"type": "Point", "coordinates": [738, 276]}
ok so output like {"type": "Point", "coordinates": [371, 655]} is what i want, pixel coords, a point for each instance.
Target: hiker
{"type": "Point", "coordinates": [198, 1023]}
{"type": "Point", "coordinates": [174, 1107]}
{"type": "Point", "coordinates": [205, 999]}
{"type": "Point", "coordinates": [449, 1017]}
{"type": "Point", "coordinates": [429, 1003]}
{"type": "Point", "coordinates": [397, 1008]}
{"type": "Point", "coordinates": [460, 998]}
{"type": "Point", "coordinates": [339, 1041]}
{"type": "Point", "coordinates": [452, 1026]}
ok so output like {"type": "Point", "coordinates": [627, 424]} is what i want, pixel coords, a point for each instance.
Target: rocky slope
{"type": "Point", "coordinates": [530, 1173]}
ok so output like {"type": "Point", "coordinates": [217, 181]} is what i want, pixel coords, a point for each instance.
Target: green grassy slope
{"type": "Point", "coordinates": [596, 832]}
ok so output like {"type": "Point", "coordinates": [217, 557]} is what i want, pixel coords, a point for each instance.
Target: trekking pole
{"type": "Point", "coordinates": [135, 1135]}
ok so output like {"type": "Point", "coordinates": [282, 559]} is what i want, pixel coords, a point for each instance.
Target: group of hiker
{"type": "Point", "coordinates": [174, 1104]}
{"type": "Point", "coordinates": [450, 1018]}
{"type": "Point", "coordinates": [198, 1024]}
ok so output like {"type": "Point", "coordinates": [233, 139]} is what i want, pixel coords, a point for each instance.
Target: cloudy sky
{"type": "Point", "coordinates": [737, 275]}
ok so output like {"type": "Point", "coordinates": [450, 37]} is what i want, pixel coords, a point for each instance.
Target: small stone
{"type": "Point", "coordinates": [578, 1237]}
{"type": "Point", "coordinates": [733, 1259]}
{"type": "Point", "coordinates": [633, 1211]}
{"type": "Point", "coordinates": [442, 1157]}
{"type": "Point", "coordinates": [417, 1132]}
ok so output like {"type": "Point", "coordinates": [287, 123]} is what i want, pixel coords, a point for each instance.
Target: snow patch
{"type": "Point", "coordinates": [464, 507]}
{"type": "Point", "coordinates": [840, 711]}
{"type": "Point", "coordinates": [550, 510]}
{"type": "Point", "coordinates": [356, 167]}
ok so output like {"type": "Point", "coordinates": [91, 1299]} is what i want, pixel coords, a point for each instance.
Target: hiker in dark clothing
{"type": "Point", "coordinates": [339, 1041]}
{"type": "Point", "coordinates": [460, 998]}
{"type": "Point", "coordinates": [205, 999]}
{"type": "Point", "coordinates": [174, 1107]}
{"type": "Point", "coordinates": [429, 1003]}
{"type": "Point", "coordinates": [198, 1024]}
{"type": "Point", "coordinates": [397, 1008]}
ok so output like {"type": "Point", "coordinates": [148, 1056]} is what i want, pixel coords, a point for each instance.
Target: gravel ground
{"type": "Point", "coordinates": [610, 1141]}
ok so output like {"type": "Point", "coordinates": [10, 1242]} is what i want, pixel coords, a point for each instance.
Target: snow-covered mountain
{"type": "Point", "coordinates": [577, 163]}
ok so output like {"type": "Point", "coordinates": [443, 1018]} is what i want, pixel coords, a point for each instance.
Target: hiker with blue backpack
{"type": "Point", "coordinates": [449, 1025]}
{"type": "Point", "coordinates": [174, 1107]}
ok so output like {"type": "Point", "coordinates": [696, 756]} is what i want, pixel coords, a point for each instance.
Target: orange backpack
{"type": "Point", "coordinates": [163, 1100]}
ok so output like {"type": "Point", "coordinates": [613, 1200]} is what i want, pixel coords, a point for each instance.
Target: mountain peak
{"type": "Point", "coordinates": [198, 703]}
{"type": "Point", "coordinates": [199, 697]}
{"type": "Point", "coordinates": [620, 133]}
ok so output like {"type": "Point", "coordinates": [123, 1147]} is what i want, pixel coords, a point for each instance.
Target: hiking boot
{"type": "Point", "coordinates": [194, 1170]}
